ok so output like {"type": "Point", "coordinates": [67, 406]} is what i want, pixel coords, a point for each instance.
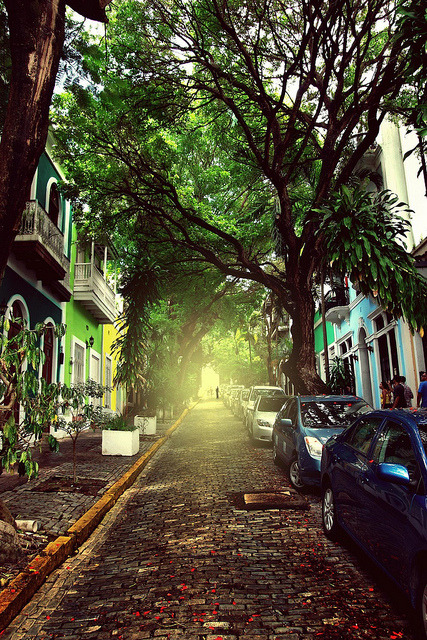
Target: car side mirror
{"type": "Point", "coordinates": [396, 473]}
{"type": "Point", "coordinates": [285, 422]}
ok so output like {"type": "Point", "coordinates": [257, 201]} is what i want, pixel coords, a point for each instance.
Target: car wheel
{"type": "Point", "coordinates": [295, 474]}
{"type": "Point", "coordinates": [329, 514]}
{"type": "Point", "coordinates": [421, 603]}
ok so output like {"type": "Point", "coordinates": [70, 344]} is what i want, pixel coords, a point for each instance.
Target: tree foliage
{"type": "Point", "coordinates": [223, 129]}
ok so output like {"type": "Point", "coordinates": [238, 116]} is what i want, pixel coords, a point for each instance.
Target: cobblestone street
{"type": "Point", "coordinates": [179, 557]}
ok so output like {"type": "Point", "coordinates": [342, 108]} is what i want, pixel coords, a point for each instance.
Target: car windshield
{"type": "Point", "coordinates": [272, 404]}
{"type": "Point", "coordinates": [323, 414]}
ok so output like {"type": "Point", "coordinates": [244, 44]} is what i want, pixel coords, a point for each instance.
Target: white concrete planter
{"type": "Point", "coordinates": [147, 424]}
{"type": "Point", "coordinates": [59, 434]}
{"type": "Point", "coordinates": [120, 443]}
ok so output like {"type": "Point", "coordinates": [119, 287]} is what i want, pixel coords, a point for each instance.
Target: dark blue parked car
{"type": "Point", "coordinates": [374, 486]}
{"type": "Point", "coordinates": [302, 427]}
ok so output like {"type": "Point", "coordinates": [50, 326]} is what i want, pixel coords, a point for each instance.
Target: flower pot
{"type": "Point", "coordinates": [120, 443]}
{"type": "Point", "coordinates": [58, 433]}
{"type": "Point", "coordinates": [146, 424]}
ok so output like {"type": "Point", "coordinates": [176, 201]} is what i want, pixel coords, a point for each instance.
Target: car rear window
{"type": "Point", "coordinates": [267, 403]}
{"type": "Point", "coordinates": [332, 413]}
{"type": "Point", "coordinates": [269, 392]}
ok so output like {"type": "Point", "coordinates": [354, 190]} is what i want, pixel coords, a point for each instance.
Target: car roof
{"type": "Point", "coordinates": [330, 398]}
{"type": "Point", "coordinates": [267, 386]}
{"type": "Point", "coordinates": [406, 415]}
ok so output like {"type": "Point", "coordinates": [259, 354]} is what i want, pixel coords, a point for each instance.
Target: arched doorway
{"type": "Point", "coordinates": [365, 368]}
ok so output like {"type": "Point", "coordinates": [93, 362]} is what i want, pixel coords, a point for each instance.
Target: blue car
{"type": "Point", "coordinates": [302, 427]}
{"type": "Point", "coordinates": [374, 486]}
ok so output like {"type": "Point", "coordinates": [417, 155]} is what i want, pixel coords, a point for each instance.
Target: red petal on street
{"type": "Point", "coordinates": [214, 612]}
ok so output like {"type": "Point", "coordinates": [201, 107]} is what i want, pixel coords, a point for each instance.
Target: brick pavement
{"type": "Point", "coordinates": [57, 511]}
{"type": "Point", "coordinates": [178, 557]}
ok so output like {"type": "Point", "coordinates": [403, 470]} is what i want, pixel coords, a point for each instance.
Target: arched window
{"type": "Point", "coordinates": [54, 204]}
{"type": "Point", "coordinates": [48, 348]}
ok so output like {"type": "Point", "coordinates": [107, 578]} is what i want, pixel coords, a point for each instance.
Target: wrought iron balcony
{"type": "Point", "coordinates": [40, 245]}
{"type": "Point", "coordinates": [93, 291]}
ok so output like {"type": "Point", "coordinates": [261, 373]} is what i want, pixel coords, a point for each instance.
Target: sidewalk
{"type": "Point", "coordinates": [67, 513]}
{"type": "Point", "coordinates": [56, 507]}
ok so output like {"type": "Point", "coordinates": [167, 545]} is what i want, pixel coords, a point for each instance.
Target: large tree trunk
{"type": "Point", "coordinates": [36, 40]}
{"type": "Point", "coordinates": [301, 365]}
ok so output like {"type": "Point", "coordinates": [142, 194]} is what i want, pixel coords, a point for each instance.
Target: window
{"type": "Point", "coordinates": [54, 203]}
{"type": "Point", "coordinates": [331, 414]}
{"type": "Point", "coordinates": [387, 348]}
{"type": "Point", "coordinates": [292, 412]}
{"type": "Point", "coordinates": [108, 382]}
{"type": "Point", "coordinates": [266, 403]}
{"type": "Point", "coordinates": [48, 347]}
{"type": "Point", "coordinates": [394, 446]}
{"type": "Point", "coordinates": [79, 364]}
{"type": "Point", "coordinates": [362, 434]}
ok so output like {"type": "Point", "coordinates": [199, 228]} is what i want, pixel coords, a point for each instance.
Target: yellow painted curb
{"type": "Point", "coordinates": [20, 591]}
{"type": "Point", "coordinates": [23, 587]}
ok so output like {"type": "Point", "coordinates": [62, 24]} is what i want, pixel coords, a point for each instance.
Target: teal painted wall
{"type": "Point", "coordinates": [45, 172]}
{"type": "Point", "coordinates": [318, 333]}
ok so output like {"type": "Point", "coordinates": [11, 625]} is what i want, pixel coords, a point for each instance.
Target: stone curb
{"type": "Point", "coordinates": [22, 588]}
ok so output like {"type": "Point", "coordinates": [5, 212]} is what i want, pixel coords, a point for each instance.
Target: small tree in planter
{"type": "Point", "coordinates": [146, 419]}
{"type": "Point", "coordinates": [119, 437]}
{"type": "Point", "coordinates": [78, 412]}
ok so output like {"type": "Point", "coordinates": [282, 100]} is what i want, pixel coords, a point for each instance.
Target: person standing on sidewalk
{"type": "Point", "coordinates": [422, 392]}
{"type": "Point", "coordinates": [408, 391]}
{"type": "Point", "coordinates": [399, 401]}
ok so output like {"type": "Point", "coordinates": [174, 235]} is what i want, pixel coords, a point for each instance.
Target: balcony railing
{"type": "Point", "coordinates": [40, 244]}
{"type": "Point", "coordinates": [336, 298]}
{"type": "Point", "coordinates": [94, 293]}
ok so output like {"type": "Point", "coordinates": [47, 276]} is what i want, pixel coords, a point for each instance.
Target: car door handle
{"type": "Point", "coordinates": [364, 479]}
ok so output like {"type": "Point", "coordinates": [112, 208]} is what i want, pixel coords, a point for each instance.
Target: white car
{"type": "Point", "coordinates": [254, 392]}
{"type": "Point", "coordinates": [264, 414]}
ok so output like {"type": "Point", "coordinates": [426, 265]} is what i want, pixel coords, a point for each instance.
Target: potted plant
{"type": "Point", "coordinates": [146, 420]}
{"type": "Point", "coordinates": [119, 437]}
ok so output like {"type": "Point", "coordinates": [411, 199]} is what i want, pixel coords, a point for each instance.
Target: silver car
{"type": "Point", "coordinates": [264, 415]}
{"type": "Point", "coordinates": [254, 393]}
